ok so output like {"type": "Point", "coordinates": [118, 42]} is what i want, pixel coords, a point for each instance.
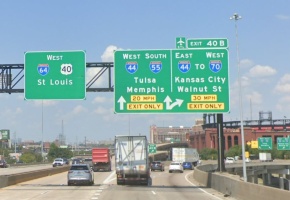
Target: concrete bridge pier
{"type": "Point", "coordinates": [253, 179]}
{"type": "Point", "coordinates": [281, 181]}
{"type": "Point", "coordinates": [267, 178]}
{"type": "Point", "coordinates": [288, 182]}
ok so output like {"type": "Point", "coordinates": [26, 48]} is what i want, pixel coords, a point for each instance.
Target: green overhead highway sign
{"type": "Point", "coordinates": [55, 75]}
{"type": "Point", "coordinates": [180, 43]}
{"type": "Point", "coordinates": [265, 143]}
{"type": "Point", "coordinates": [171, 81]}
{"type": "Point", "coordinates": [4, 135]}
{"type": "Point", "coordinates": [152, 148]}
{"type": "Point", "coordinates": [283, 143]}
{"type": "Point", "coordinates": [207, 43]}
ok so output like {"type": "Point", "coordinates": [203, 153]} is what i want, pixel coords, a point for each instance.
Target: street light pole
{"type": "Point", "coordinates": [42, 130]}
{"type": "Point", "coordinates": [236, 17]}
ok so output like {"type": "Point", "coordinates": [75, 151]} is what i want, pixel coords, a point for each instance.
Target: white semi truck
{"type": "Point", "coordinates": [185, 155]}
{"type": "Point", "coordinates": [265, 157]}
{"type": "Point", "coordinates": [132, 160]}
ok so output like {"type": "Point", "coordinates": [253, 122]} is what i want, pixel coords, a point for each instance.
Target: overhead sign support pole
{"type": "Point", "coordinates": [221, 143]}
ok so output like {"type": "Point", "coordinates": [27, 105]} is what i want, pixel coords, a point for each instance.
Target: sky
{"type": "Point", "coordinates": [261, 50]}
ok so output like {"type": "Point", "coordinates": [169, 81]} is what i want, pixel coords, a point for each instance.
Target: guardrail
{"type": "Point", "coordinates": [7, 180]}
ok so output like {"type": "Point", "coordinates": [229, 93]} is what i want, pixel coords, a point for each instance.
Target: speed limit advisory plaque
{"type": "Point", "coordinates": [55, 75]}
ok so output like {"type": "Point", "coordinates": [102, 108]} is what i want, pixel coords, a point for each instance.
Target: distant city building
{"type": "Point", "coordinates": [205, 135]}
{"type": "Point", "coordinates": [46, 146]}
{"type": "Point", "coordinates": [168, 134]}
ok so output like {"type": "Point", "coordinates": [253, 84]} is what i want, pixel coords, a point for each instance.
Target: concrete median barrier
{"type": "Point", "coordinates": [232, 185]}
{"type": "Point", "coordinates": [7, 180]}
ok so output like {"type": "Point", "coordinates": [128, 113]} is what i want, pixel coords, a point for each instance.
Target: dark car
{"type": "Point", "coordinates": [187, 165]}
{"type": "Point", "coordinates": [66, 161]}
{"type": "Point", "coordinates": [3, 164]}
{"type": "Point", "coordinates": [89, 161]}
{"type": "Point", "coordinates": [157, 165]}
{"type": "Point", "coordinates": [77, 161]}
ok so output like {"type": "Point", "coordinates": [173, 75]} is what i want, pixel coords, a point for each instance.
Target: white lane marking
{"type": "Point", "coordinates": [153, 192]}
{"type": "Point", "coordinates": [108, 179]}
{"type": "Point", "coordinates": [94, 198]}
{"type": "Point", "coordinates": [44, 192]}
{"type": "Point", "coordinates": [198, 187]}
{"type": "Point", "coordinates": [97, 194]}
{"type": "Point", "coordinates": [99, 190]}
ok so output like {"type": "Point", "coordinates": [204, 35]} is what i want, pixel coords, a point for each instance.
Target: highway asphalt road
{"type": "Point", "coordinates": [165, 186]}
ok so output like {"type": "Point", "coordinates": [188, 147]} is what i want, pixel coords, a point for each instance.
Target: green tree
{"type": "Point", "coordinates": [208, 154]}
{"type": "Point", "coordinates": [28, 157]}
{"type": "Point", "coordinates": [56, 152]}
{"type": "Point", "coordinates": [234, 151]}
{"type": "Point", "coordinates": [5, 152]}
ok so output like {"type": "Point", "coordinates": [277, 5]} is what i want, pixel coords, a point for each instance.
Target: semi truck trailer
{"type": "Point", "coordinates": [185, 155]}
{"type": "Point", "coordinates": [132, 160]}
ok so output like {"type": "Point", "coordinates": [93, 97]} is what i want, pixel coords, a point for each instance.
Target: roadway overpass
{"type": "Point", "coordinates": [163, 150]}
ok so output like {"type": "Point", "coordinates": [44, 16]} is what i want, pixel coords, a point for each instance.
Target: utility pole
{"type": "Point", "coordinates": [236, 17]}
{"type": "Point", "coordinates": [15, 142]}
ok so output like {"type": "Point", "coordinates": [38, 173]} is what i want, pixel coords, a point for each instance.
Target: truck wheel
{"type": "Point", "coordinates": [120, 183]}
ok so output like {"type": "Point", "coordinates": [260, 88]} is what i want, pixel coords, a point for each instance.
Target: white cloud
{"type": "Point", "coordinates": [282, 105]}
{"type": "Point", "coordinates": [283, 17]}
{"type": "Point", "coordinates": [262, 71]}
{"type": "Point", "coordinates": [108, 55]}
{"type": "Point", "coordinates": [283, 85]}
{"type": "Point", "coordinates": [39, 103]}
{"type": "Point", "coordinates": [91, 73]}
{"type": "Point", "coordinates": [245, 81]}
{"type": "Point", "coordinates": [245, 63]}
{"type": "Point", "coordinates": [255, 97]}
{"type": "Point", "coordinates": [79, 109]}
{"type": "Point", "coordinates": [100, 100]}
{"type": "Point", "coordinates": [101, 110]}
{"type": "Point", "coordinates": [18, 110]}
{"type": "Point", "coordinates": [285, 99]}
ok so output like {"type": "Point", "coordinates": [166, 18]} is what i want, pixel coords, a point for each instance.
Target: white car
{"type": "Point", "coordinates": [175, 167]}
{"type": "Point", "coordinates": [229, 160]}
{"type": "Point", "coordinates": [58, 162]}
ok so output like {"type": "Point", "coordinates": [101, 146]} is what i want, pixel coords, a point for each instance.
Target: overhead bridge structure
{"type": "Point", "coordinates": [12, 77]}
{"type": "Point", "coordinates": [163, 150]}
